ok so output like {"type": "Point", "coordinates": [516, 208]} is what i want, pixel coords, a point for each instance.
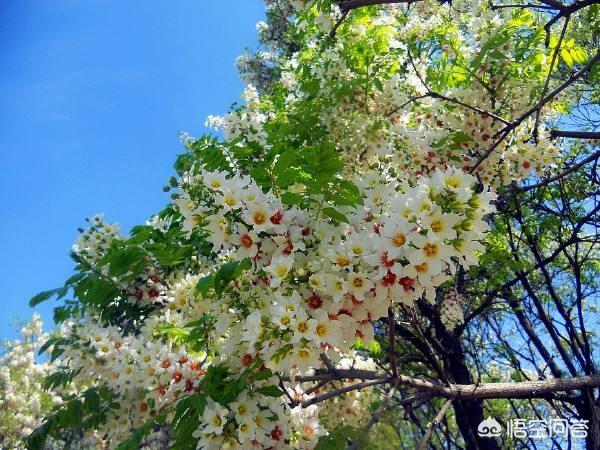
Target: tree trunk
{"type": "Point", "coordinates": [469, 413]}
{"type": "Point", "coordinates": [589, 410]}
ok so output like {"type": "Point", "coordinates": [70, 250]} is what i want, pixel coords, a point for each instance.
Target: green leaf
{"type": "Point", "coordinates": [290, 198]}
{"type": "Point", "coordinates": [334, 214]}
{"type": "Point", "coordinates": [459, 137]}
{"type": "Point", "coordinates": [262, 374]}
{"type": "Point", "coordinates": [204, 285]}
{"type": "Point", "coordinates": [566, 56]}
{"type": "Point", "coordinates": [322, 163]}
{"type": "Point", "coordinates": [337, 439]}
{"type": "Point", "coordinates": [43, 296]}
{"type": "Point", "coordinates": [60, 378]}
{"type": "Point", "coordinates": [37, 439]}
{"type": "Point", "coordinates": [579, 55]}
{"type": "Point", "coordinates": [229, 272]}
{"type": "Point", "coordinates": [331, 442]}
{"type": "Point", "coordinates": [270, 391]}
{"type": "Point", "coordinates": [169, 256]}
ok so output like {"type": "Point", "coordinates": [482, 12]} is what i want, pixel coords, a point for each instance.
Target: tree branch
{"type": "Point", "coordinates": [563, 174]}
{"type": "Point", "coordinates": [514, 124]}
{"type": "Point", "coordinates": [521, 389]}
{"type": "Point", "coordinates": [575, 134]}
{"type": "Point", "coordinates": [348, 6]}
{"type": "Point", "coordinates": [423, 443]}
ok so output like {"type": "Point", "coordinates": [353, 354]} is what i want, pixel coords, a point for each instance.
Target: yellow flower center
{"type": "Point", "coordinates": [452, 182]}
{"type": "Point", "coordinates": [281, 271]}
{"type": "Point", "coordinates": [399, 239]}
{"type": "Point", "coordinates": [259, 217]}
{"type": "Point", "coordinates": [358, 283]}
{"type": "Point", "coordinates": [343, 261]}
{"type": "Point", "coordinates": [430, 250]}
{"type": "Point", "coordinates": [421, 268]}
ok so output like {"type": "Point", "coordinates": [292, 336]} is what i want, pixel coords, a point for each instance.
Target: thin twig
{"type": "Point", "coordinates": [392, 343]}
{"type": "Point", "coordinates": [547, 82]}
{"type": "Point", "coordinates": [564, 173]}
{"type": "Point", "coordinates": [436, 421]}
{"type": "Point", "coordinates": [514, 124]}
{"type": "Point", "coordinates": [342, 390]}
{"type": "Point", "coordinates": [375, 417]}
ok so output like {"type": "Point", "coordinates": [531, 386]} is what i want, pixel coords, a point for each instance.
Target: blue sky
{"type": "Point", "coordinates": [93, 95]}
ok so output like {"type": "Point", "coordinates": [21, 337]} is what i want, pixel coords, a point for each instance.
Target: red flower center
{"type": "Point", "coordinates": [389, 279]}
{"type": "Point", "coordinates": [385, 261]}
{"type": "Point", "coordinates": [246, 241]}
{"type": "Point", "coordinates": [276, 433]}
{"type": "Point", "coordinates": [315, 301]}
{"type": "Point", "coordinates": [276, 218]}
{"type": "Point", "coordinates": [406, 283]}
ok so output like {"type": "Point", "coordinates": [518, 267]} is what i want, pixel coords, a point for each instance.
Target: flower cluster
{"type": "Point", "coordinates": [94, 241]}
{"type": "Point", "coordinates": [262, 270]}
{"type": "Point", "coordinates": [245, 123]}
{"type": "Point", "coordinates": [22, 400]}
{"type": "Point", "coordinates": [451, 309]}
{"type": "Point", "coordinates": [317, 285]}
{"type": "Point", "coordinates": [145, 373]}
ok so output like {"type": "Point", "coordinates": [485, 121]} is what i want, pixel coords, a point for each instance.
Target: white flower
{"type": "Point", "coordinates": [214, 417]}
{"type": "Point", "coordinates": [304, 327]}
{"type": "Point", "coordinates": [258, 215]}
{"type": "Point", "coordinates": [244, 408]}
{"type": "Point", "coordinates": [327, 331]}
{"type": "Point", "coordinates": [215, 180]}
{"type": "Point", "coordinates": [279, 268]}
{"type": "Point", "coordinates": [358, 284]}
{"type": "Point", "coordinates": [441, 225]}
{"type": "Point", "coordinates": [395, 233]}
{"type": "Point", "coordinates": [247, 241]}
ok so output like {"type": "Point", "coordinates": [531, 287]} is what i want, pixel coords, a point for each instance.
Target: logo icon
{"type": "Point", "coordinates": [489, 428]}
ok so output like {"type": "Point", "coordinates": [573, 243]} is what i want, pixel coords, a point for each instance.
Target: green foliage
{"type": "Point", "coordinates": [339, 438]}
{"type": "Point", "coordinates": [135, 440]}
{"type": "Point", "coordinates": [195, 335]}
{"type": "Point", "coordinates": [220, 279]}
{"type": "Point", "coordinates": [83, 412]}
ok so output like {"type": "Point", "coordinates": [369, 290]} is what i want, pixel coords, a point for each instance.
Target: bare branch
{"type": "Point", "coordinates": [423, 443]}
{"type": "Point", "coordinates": [342, 390]}
{"type": "Point", "coordinates": [514, 124]}
{"type": "Point", "coordinates": [375, 417]}
{"type": "Point", "coordinates": [575, 134]}
{"type": "Point", "coordinates": [392, 343]}
{"type": "Point", "coordinates": [348, 6]}
{"type": "Point", "coordinates": [563, 174]}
